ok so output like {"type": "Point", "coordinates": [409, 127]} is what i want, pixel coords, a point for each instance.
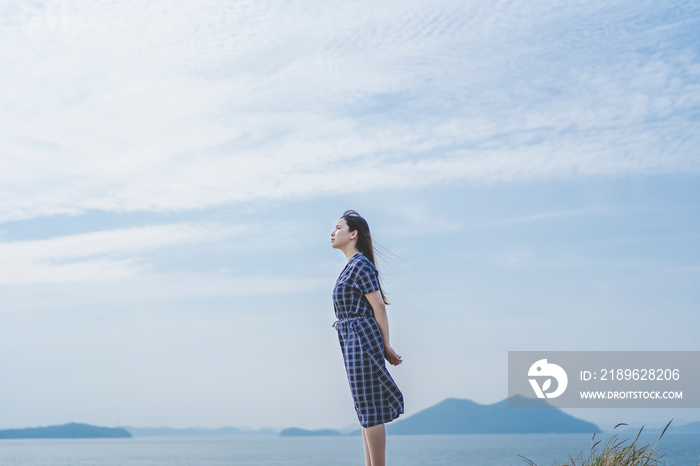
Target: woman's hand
{"type": "Point", "coordinates": [391, 356]}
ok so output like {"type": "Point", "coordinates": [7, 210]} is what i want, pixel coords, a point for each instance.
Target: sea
{"type": "Point", "coordinates": [681, 449]}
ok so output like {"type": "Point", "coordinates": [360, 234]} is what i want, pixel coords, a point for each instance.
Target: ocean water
{"type": "Point", "coordinates": [414, 450]}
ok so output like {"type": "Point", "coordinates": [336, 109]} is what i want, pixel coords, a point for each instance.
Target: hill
{"type": "Point", "coordinates": [691, 427]}
{"type": "Point", "coordinates": [70, 430]}
{"type": "Point", "coordinates": [195, 432]}
{"type": "Point", "coordinates": [297, 432]}
{"type": "Point", "coordinates": [461, 416]}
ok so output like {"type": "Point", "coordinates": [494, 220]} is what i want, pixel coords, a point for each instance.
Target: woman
{"type": "Point", "coordinates": [363, 331]}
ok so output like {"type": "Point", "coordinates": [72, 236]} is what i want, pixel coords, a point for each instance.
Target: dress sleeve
{"type": "Point", "coordinates": [366, 280]}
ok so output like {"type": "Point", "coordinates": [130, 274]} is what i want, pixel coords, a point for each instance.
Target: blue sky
{"type": "Point", "coordinates": [170, 175]}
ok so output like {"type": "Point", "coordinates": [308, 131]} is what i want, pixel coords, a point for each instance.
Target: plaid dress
{"type": "Point", "coordinates": [375, 394]}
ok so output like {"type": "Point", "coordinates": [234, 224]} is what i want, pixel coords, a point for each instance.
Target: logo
{"type": "Point", "coordinates": [544, 369]}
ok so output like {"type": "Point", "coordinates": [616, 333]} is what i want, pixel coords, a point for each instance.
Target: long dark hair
{"type": "Point", "coordinates": [364, 240]}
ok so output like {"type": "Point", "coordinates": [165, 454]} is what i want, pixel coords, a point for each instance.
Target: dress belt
{"type": "Point", "coordinates": [347, 319]}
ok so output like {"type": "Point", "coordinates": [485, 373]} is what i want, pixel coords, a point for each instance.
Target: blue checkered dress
{"type": "Point", "coordinates": [375, 394]}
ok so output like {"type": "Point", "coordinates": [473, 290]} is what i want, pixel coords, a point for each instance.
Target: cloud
{"type": "Point", "coordinates": [555, 215]}
{"type": "Point", "coordinates": [514, 260]}
{"type": "Point", "coordinates": [156, 107]}
{"type": "Point", "coordinates": [158, 291]}
{"type": "Point", "coordinates": [97, 256]}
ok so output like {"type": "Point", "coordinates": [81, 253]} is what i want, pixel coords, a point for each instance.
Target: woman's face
{"type": "Point", "coordinates": [341, 235]}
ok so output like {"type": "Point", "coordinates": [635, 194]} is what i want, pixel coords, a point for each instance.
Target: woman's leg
{"type": "Point", "coordinates": [376, 441]}
{"type": "Point", "coordinates": [368, 460]}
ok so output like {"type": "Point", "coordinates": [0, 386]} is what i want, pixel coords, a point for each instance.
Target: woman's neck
{"type": "Point", "coordinates": [350, 252]}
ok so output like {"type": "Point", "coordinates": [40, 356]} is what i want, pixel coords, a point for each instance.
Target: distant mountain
{"type": "Point", "coordinates": [690, 427]}
{"type": "Point", "coordinates": [195, 432]}
{"type": "Point", "coordinates": [296, 432]}
{"type": "Point", "coordinates": [460, 416]}
{"type": "Point", "coordinates": [70, 430]}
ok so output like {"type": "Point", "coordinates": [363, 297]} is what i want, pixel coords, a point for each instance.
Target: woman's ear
{"type": "Point", "coordinates": [353, 234]}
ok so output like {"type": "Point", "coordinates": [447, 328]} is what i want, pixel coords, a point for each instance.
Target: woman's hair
{"type": "Point", "coordinates": [364, 239]}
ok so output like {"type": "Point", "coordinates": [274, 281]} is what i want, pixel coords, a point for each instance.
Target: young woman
{"type": "Point", "coordinates": [363, 332]}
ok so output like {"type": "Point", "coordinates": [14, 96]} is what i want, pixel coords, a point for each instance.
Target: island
{"type": "Point", "coordinates": [462, 416]}
{"type": "Point", "coordinates": [297, 432]}
{"type": "Point", "coordinates": [195, 431]}
{"type": "Point", "coordinates": [70, 430]}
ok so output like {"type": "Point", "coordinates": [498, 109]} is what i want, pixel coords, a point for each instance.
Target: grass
{"type": "Point", "coordinates": [616, 452]}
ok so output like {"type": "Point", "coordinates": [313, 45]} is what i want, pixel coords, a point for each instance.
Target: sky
{"type": "Point", "coordinates": [170, 174]}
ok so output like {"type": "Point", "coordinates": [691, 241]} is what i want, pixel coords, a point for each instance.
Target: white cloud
{"type": "Point", "coordinates": [154, 289]}
{"type": "Point", "coordinates": [96, 256]}
{"type": "Point", "coordinates": [555, 215]}
{"type": "Point", "coordinates": [514, 260]}
{"type": "Point", "coordinates": [156, 107]}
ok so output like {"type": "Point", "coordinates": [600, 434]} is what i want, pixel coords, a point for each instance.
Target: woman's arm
{"type": "Point", "coordinates": [375, 299]}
